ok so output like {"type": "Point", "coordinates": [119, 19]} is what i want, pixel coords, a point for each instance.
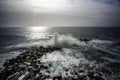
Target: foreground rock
{"type": "Point", "coordinates": [27, 66]}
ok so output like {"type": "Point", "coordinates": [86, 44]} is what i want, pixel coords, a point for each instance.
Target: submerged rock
{"type": "Point", "coordinates": [85, 39]}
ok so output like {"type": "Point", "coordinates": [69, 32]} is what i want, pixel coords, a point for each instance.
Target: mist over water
{"type": "Point", "coordinates": [101, 53]}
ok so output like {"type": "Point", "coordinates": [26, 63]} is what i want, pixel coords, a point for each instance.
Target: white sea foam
{"type": "Point", "coordinates": [61, 56]}
{"type": "Point", "coordinates": [97, 41]}
{"type": "Point", "coordinates": [24, 45]}
{"type": "Point", "coordinates": [6, 56]}
{"type": "Point", "coordinates": [60, 40]}
{"type": "Point", "coordinates": [57, 40]}
{"type": "Point", "coordinates": [63, 41]}
{"type": "Point", "coordinates": [105, 46]}
{"type": "Point", "coordinates": [111, 60]}
{"type": "Point", "coordinates": [62, 60]}
{"type": "Point", "coordinates": [65, 58]}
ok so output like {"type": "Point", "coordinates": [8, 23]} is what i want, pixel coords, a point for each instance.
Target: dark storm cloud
{"type": "Point", "coordinates": [110, 1]}
{"type": "Point", "coordinates": [78, 13]}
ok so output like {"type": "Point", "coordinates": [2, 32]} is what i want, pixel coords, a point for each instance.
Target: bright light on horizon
{"type": "Point", "coordinates": [38, 29]}
{"type": "Point", "coordinates": [38, 32]}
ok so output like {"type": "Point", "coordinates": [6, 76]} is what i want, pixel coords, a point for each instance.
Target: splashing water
{"type": "Point", "coordinates": [77, 56]}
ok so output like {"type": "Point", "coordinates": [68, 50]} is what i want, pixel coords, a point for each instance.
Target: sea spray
{"type": "Point", "coordinates": [64, 57]}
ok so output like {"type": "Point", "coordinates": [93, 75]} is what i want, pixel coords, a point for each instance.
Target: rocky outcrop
{"type": "Point", "coordinates": [27, 66]}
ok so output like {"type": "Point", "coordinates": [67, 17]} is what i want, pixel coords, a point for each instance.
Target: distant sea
{"type": "Point", "coordinates": [101, 51]}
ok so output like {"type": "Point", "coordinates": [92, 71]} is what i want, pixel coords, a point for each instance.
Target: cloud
{"type": "Point", "coordinates": [71, 13]}
{"type": "Point", "coordinates": [110, 1]}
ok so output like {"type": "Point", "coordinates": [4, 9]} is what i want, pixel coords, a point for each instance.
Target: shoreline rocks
{"type": "Point", "coordinates": [15, 68]}
{"type": "Point", "coordinates": [27, 66]}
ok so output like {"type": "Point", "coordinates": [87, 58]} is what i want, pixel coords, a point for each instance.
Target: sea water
{"type": "Point", "coordinates": [101, 51]}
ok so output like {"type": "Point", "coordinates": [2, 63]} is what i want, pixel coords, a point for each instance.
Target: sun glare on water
{"type": "Point", "coordinates": [38, 29]}
{"type": "Point", "coordinates": [39, 32]}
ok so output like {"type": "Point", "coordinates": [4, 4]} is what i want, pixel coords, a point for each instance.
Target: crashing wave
{"type": "Point", "coordinates": [62, 57]}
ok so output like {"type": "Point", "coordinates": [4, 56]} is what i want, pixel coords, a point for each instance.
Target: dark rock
{"type": "Point", "coordinates": [57, 78]}
{"type": "Point", "coordinates": [90, 74]}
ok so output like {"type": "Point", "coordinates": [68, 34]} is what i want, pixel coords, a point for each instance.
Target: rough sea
{"type": "Point", "coordinates": [96, 49]}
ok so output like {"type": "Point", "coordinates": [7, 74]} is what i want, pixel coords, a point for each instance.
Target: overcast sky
{"type": "Point", "coordinates": [23, 13]}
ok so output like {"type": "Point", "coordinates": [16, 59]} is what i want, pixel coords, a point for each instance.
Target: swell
{"type": "Point", "coordinates": [69, 61]}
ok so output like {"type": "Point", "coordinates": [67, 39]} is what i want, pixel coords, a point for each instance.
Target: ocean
{"type": "Point", "coordinates": [85, 48]}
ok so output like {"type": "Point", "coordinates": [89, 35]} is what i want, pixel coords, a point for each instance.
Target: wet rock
{"type": "Point", "coordinates": [95, 75]}
{"type": "Point", "coordinates": [11, 61]}
{"type": "Point", "coordinates": [44, 67]}
{"type": "Point", "coordinates": [24, 76]}
{"type": "Point", "coordinates": [82, 76]}
{"type": "Point", "coordinates": [57, 78]}
{"type": "Point", "coordinates": [81, 71]}
{"type": "Point", "coordinates": [45, 77]}
{"type": "Point", "coordinates": [37, 77]}
{"type": "Point", "coordinates": [84, 39]}
{"type": "Point", "coordinates": [98, 77]}
{"type": "Point", "coordinates": [15, 76]}
{"type": "Point", "coordinates": [6, 64]}
{"type": "Point", "coordinates": [26, 66]}
{"type": "Point", "coordinates": [27, 63]}
{"type": "Point", "coordinates": [90, 74]}
{"type": "Point", "coordinates": [22, 66]}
